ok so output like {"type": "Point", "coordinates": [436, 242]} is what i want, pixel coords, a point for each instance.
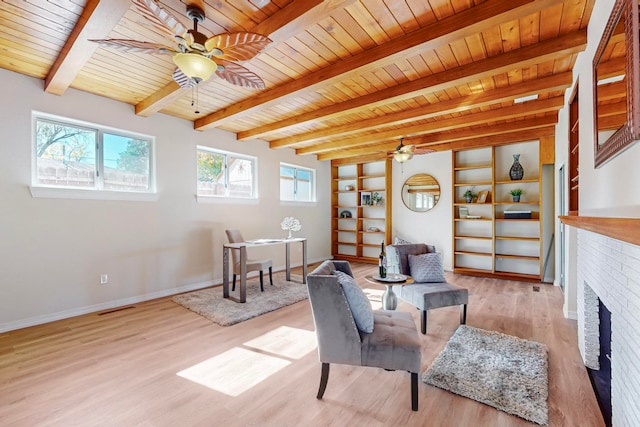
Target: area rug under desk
{"type": "Point", "coordinates": [210, 303]}
{"type": "Point", "coordinates": [506, 372]}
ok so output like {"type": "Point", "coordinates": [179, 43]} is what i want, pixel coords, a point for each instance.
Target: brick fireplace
{"type": "Point", "coordinates": [609, 274]}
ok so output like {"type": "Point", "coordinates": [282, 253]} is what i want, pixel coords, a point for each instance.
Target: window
{"type": "Point", "coordinates": [225, 174]}
{"type": "Point", "coordinates": [297, 184]}
{"type": "Point", "coordinates": [74, 155]}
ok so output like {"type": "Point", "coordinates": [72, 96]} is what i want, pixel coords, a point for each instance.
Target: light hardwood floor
{"type": "Point", "coordinates": [121, 368]}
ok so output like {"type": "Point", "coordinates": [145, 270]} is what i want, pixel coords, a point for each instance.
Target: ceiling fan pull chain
{"type": "Point", "coordinates": [196, 88]}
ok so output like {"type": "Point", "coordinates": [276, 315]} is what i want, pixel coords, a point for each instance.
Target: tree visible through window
{"type": "Point", "coordinates": [76, 156]}
{"type": "Point", "coordinates": [225, 174]}
{"type": "Point", "coordinates": [296, 183]}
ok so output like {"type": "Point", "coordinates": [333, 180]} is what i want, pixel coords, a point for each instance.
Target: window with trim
{"type": "Point", "coordinates": [297, 183]}
{"type": "Point", "coordinates": [225, 174]}
{"type": "Point", "coordinates": [74, 155]}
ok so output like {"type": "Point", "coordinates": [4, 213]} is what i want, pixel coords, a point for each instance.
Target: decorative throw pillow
{"type": "Point", "coordinates": [426, 268]}
{"type": "Point", "coordinates": [358, 302]}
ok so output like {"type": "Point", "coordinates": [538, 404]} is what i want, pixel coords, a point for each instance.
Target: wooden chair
{"type": "Point", "coordinates": [235, 236]}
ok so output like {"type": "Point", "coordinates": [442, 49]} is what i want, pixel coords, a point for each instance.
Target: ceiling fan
{"type": "Point", "coordinates": [404, 153]}
{"type": "Point", "coordinates": [196, 55]}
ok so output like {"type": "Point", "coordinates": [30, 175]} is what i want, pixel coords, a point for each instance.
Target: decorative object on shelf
{"type": "Point", "coordinates": [516, 193]}
{"type": "Point", "coordinates": [349, 187]}
{"type": "Point", "coordinates": [290, 223]}
{"type": "Point", "coordinates": [376, 199]}
{"type": "Point", "coordinates": [517, 214]}
{"type": "Point", "coordinates": [345, 214]}
{"type": "Point", "coordinates": [482, 196]}
{"type": "Point", "coordinates": [373, 229]}
{"type": "Point", "coordinates": [365, 198]}
{"type": "Point", "coordinates": [517, 171]}
{"type": "Point", "coordinates": [463, 212]}
{"type": "Point", "coordinates": [469, 195]}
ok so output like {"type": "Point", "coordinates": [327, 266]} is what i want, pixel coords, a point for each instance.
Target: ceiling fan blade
{"type": "Point", "coordinates": [135, 46]}
{"type": "Point", "coordinates": [420, 151]}
{"type": "Point", "coordinates": [240, 46]}
{"type": "Point", "coordinates": [407, 148]}
{"type": "Point", "coordinates": [160, 18]}
{"type": "Point", "coordinates": [183, 80]}
{"type": "Point", "coordinates": [239, 76]}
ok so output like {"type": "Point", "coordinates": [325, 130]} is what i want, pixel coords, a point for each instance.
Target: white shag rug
{"type": "Point", "coordinates": [499, 370]}
{"type": "Point", "coordinates": [225, 312]}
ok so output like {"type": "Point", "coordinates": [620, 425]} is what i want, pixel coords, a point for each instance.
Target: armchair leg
{"type": "Point", "coordinates": [324, 377]}
{"type": "Point", "coordinates": [463, 314]}
{"type": "Point", "coordinates": [414, 391]}
{"type": "Point", "coordinates": [261, 282]}
{"type": "Point", "coordinates": [270, 277]}
{"type": "Point", "coordinates": [233, 288]}
{"type": "Point", "coordinates": [424, 322]}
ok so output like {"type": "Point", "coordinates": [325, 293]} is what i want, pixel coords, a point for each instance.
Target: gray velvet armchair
{"type": "Point", "coordinates": [393, 345]}
{"type": "Point", "coordinates": [431, 294]}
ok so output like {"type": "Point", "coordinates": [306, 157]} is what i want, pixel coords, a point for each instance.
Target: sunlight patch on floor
{"type": "Point", "coordinates": [234, 371]}
{"type": "Point", "coordinates": [285, 341]}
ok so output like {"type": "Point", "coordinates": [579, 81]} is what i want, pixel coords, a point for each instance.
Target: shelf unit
{"type": "Point", "coordinates": [357, 236]}
{"type": "Point", "coordinates": [493, 245]}
{"type": "Point", "coordinates": [574, 153]}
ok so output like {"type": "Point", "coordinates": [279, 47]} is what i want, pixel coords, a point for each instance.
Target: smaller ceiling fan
{"type": "Point", "coordinates": [404, 153]}
{"type": "Point", "coordinates": [197, 56]}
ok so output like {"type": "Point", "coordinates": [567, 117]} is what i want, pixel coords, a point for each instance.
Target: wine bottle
{"type": "Point", "coordinates": [382, 262]}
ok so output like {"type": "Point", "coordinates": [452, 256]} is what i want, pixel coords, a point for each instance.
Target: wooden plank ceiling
{"type": "Point", "coordinates": [344, 78]}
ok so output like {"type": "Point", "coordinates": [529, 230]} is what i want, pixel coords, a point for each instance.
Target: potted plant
{"type": "Point", "coordinates": [376, 199]}
{"type": "Point", "coordinates": [516, 193]}
{"type": "Point", "coordinates": [469, 195]}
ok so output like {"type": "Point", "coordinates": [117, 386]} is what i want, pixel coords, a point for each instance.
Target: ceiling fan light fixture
{"type": "Point", "coordinates": [402, 156]}
{"type": "Point", "coordinates": [194, 65]}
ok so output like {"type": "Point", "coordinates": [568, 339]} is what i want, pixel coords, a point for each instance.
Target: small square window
{"type": "Point", "coordinates": [297, 183]}
{"type": "Point", "coordinates": [225, 174]}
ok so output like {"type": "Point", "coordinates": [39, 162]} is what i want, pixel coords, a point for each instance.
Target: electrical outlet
{"type": "Point", "coordinates": [104, 279]}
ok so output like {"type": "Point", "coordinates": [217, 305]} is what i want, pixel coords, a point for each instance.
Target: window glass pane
{"type": "Point", "coordinates": [287, 183]}
{"type": "Point", "coordinates": [304, 185]}
{"type": "Point", "coordinates": [240, 177]}
{"type": "Point", "coordinates": [126, 163]}
{"type": "Point", "coordinates": [65, 155]}
{"type": "Point", "coordinates": [210, 173]}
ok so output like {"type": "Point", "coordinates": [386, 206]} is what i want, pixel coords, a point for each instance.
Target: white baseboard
{"type": "Point", "coordinates": [573, 315]}
{"type": "Point", "coordinates": [79, 311]}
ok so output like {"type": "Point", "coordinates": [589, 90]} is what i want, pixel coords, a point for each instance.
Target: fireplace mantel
{"type": "Point", "coordinates": [624, 229]}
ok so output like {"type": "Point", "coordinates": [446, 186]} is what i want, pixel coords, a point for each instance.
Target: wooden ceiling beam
{"type": "Point", "coordinates": [505, 113]}
{"type": "Point", "coordinates": [612, 91]}
{"type": "Point", "coordinates": [483, 137]}
{"type": "Point", "coordinates": [98, 19]}
{"type": "Point", "coordinates": [545, 84]}
{"type": "Point", "coordinates": [456, 27]}
{"type": "Point", "coordinates": [278, 27]}
{"type": "Point", "coordinates": [519, 58]}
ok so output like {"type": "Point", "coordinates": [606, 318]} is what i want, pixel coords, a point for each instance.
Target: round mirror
{"type": "Point", "coordinates": [421, 192]}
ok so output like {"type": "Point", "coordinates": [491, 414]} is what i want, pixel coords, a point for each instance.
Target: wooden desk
{"type": "Point", "coordinates": [243, 262]}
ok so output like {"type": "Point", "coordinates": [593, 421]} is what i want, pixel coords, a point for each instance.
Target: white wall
{"type": "Point", "coordinates": [434, 226]}
{"type": "Point", "coordinates": [604, 191]}
{"type": "Point", "coordinates": [52, 251]}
